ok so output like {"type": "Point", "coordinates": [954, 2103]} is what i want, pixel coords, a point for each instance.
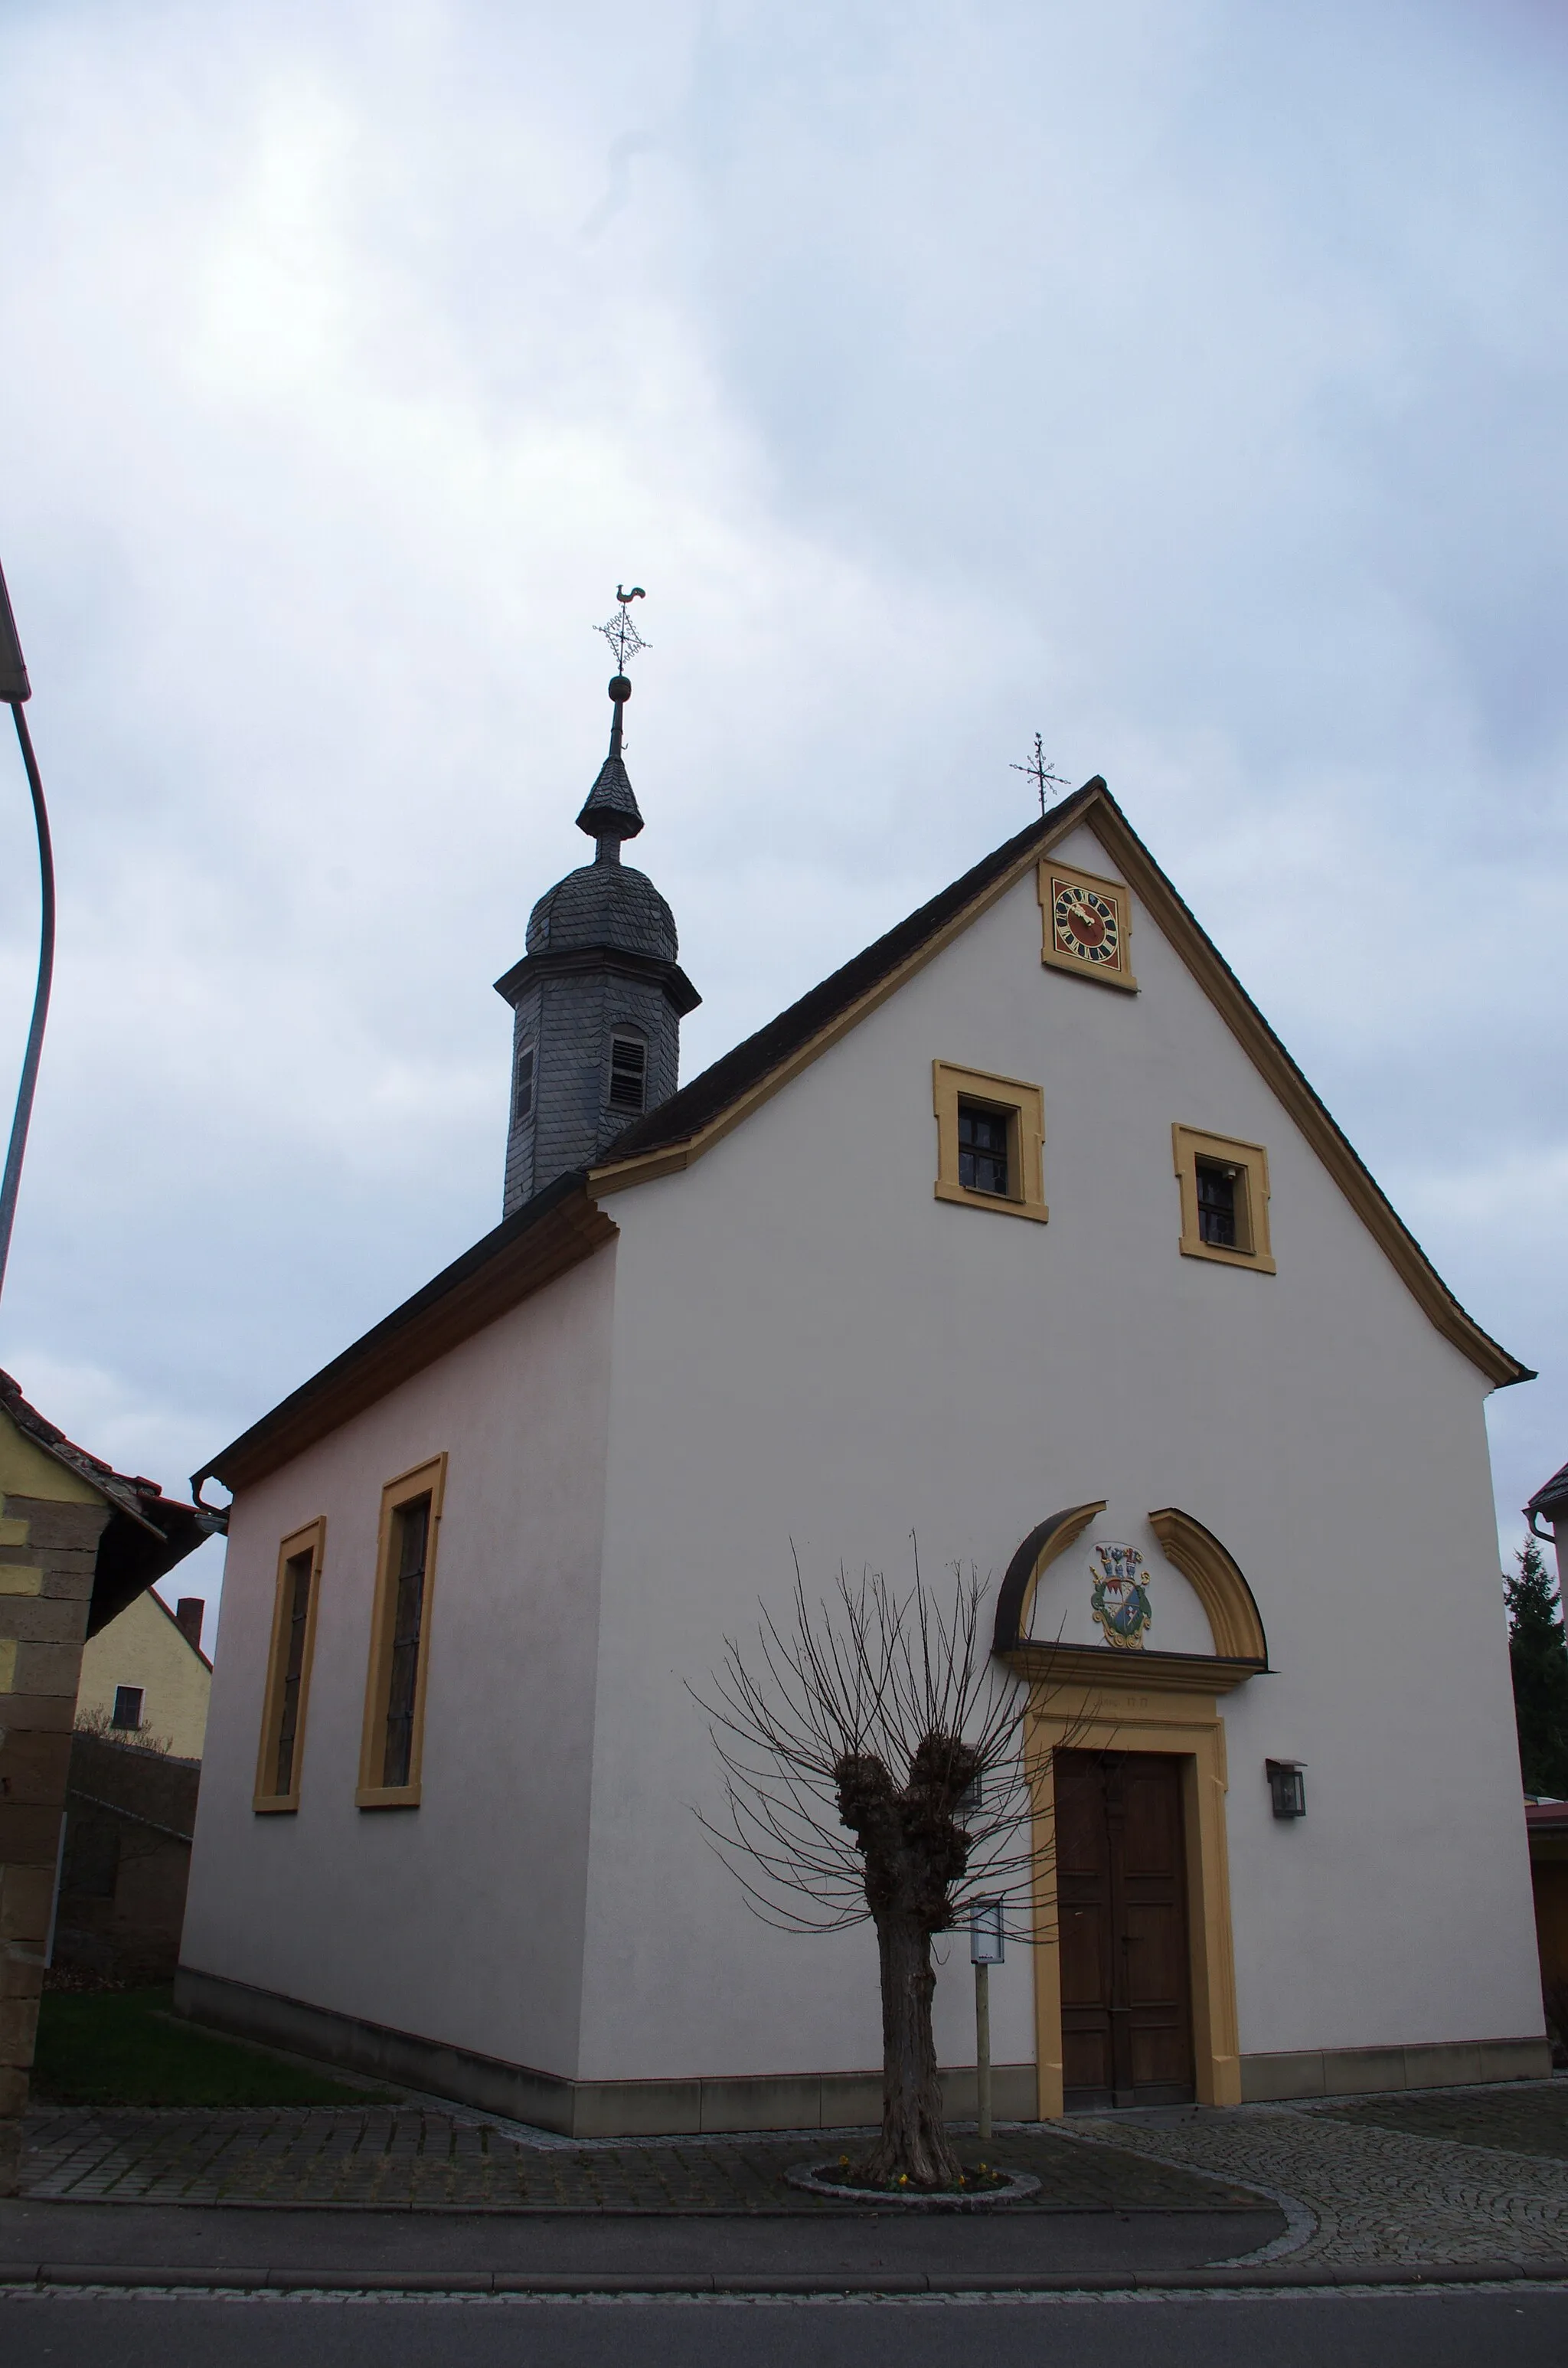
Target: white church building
{"type": "Point", "coordinates": [1022, 1233]}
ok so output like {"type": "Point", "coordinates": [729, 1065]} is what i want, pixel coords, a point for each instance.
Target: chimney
{"type": "Point", "coordinates": [188, 1612]}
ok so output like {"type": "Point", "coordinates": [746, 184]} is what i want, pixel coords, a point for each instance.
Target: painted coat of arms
{"type": "Point", "coordinates": [1120, 1597]}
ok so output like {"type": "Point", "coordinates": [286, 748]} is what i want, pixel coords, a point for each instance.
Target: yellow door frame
{"type": "Point", "coordinates": [1117, 1714]}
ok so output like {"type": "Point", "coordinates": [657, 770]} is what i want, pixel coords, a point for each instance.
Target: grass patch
{"type": "Point", "coordinates": [115, 2047]}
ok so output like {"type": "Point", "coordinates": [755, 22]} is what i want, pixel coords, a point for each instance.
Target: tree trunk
{"type": "Point", "coordinates": [914, 2142]}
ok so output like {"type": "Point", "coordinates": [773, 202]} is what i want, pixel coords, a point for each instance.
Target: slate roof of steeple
{"type": "Point", "coordinates": [604, 904]}
{"type": "Point", "coordinates": [610, 809]}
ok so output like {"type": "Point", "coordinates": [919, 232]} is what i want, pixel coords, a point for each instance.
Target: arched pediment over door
{"type": "Point", "coordinates": [1235, 1624]}
{"type": "Point", "coordinates": [1121, 1698]}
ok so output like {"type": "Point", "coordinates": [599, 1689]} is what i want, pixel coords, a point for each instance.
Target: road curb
{"type": "Point", "coordinates": [1270, 2277]}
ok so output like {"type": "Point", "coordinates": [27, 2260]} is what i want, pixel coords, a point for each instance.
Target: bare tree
{"type": "Point", "coordinates": [98, 1722]}
{"type": "Point", "coordinates": [874, 1762]}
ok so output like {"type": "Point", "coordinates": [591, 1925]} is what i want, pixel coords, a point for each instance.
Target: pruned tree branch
{"type": "Point", "coordinates": [876, 1768]}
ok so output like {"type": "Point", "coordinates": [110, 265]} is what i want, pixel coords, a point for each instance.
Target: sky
{"type": "Point", "coordinates": [1186, 381]}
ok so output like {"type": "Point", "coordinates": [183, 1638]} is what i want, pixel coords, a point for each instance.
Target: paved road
{"type": "Point", "coordinates": [1393, 2330]}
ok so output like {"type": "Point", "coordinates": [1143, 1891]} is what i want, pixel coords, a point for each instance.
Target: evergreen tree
{"type": "Point", "coordinates": [1539, 1656]}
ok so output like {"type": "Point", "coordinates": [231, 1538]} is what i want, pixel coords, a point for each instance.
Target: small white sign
{"type": "Point", "coordinates": [985, 1945]}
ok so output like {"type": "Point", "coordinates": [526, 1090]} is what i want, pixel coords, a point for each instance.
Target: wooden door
{"type": "Point", "coordinates": [1122, 1910]}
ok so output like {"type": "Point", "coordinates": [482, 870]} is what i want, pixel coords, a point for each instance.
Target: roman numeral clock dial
{"type": "Point", "coordinates": [1085, 925]}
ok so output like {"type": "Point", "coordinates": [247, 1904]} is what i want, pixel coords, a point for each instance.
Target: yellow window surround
{"type": "Point", "coordinates": [301, 1556]}
{"type": "Point", "coordinates": [1245, 1165]}
{"type": "Point", "coordinates": [1023, 1106]}
{"type": "Point", "coordinates": [401, 1500]}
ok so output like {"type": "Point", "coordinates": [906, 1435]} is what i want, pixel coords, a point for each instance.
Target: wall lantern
{"type": "Point", "coordinates": [1287, 1787]}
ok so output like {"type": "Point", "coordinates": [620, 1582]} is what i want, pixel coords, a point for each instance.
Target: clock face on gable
{"type": "Point", "coordinates": [1086, 922]}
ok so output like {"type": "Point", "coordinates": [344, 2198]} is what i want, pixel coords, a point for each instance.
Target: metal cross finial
{"type": "Point", "coordinates": [621, 632]}
{"type": "Point", "coordinates": [1039, 772]}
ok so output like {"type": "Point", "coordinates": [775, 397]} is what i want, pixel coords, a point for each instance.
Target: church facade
{"type": "Point", "coordinates": [1023, 1235]}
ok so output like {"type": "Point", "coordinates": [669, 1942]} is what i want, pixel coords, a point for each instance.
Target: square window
{"type": "Point", "coordinates": [1217, 1204]}
{"type": "Point", "coordinates": [982, 1149]}
{"type": "Point", "coordinates": [989, 1141]}
{"type": "Point", "coordinates": [127, 1707]}
{"type": "Point", "coordinates": [1224, 1198]}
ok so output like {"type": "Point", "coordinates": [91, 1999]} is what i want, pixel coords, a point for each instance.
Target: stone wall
{"type": "Point", "coordinates": [47, 1553]}
{"type": "Point", "coordinates": [130, 1816]}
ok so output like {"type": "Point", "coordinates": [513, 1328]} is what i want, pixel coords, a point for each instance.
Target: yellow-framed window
{"type": "Point", "coordinates": [301, 1558]}
{"type": "Point", "coordinates": [392, 1746]}
{"type": "Point", "coordinates": [1224, 1198]}
{"type": "Point", "coordinates": [990, 1141]}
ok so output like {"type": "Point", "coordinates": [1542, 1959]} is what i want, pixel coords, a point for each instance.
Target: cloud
{"type": "Point", "coordinates": [1184, 382]}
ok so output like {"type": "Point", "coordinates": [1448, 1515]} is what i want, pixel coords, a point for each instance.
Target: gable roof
{"type": "Point", "coordinates": [682, 1129]}
{"type": "Point", "coordinates": [146, 1533]}
{"type": "Point", "coordinates": [563, 1223]}
{"type": "Point", "coordinates": [548, 1236]}
{"type": "Point", "coordinates": [1549, 1503]}
{"type": "Point", "coordinates": [175, 1621]}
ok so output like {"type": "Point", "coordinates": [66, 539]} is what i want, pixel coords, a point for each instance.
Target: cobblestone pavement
{"type": "Point", "coordinates": [397, 2156]}
{"type": "Point", "coordinates": [1376, 2188]}
{"type": "Point", "coordinates": [1522, 2118]}
{"type": "Point", "coordinates": [1452, 2177]}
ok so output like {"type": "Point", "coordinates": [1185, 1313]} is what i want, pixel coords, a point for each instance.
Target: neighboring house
{"type": "Point", "coordinates": [78, 1542]}
{"type": "Point", "coordinates": [1547, 1821]}
{"type": "Point", "coordinates": [129, 1815]}
{"type": "Point", "coordinates": [1022, 1232]}
{"type": "Point", "coordinates": [1546, 1825]}
{"type": "Point", "coordinates": [146, 1673]}
{"type": "Point", "coordinates": [1550, 1505]}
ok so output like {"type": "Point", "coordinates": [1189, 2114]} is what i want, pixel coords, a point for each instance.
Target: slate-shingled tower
{"type": "Point", "coordinates": [598, 996]}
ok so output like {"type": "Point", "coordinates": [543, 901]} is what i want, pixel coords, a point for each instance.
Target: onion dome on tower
{"type": "Point", "coordinates": [599, 995]}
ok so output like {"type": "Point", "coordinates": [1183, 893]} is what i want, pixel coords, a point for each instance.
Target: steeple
{"type": "Point", "coordinates": [598, 994]}
{"type": "Point", "coordinates": [610, 812]}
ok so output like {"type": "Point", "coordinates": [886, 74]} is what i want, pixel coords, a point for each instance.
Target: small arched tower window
{"type": "Point", "coordinates": [627, 1073]}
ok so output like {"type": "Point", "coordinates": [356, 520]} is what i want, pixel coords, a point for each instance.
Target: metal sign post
{"type": "Point", "coordinates": [985, 1950]}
